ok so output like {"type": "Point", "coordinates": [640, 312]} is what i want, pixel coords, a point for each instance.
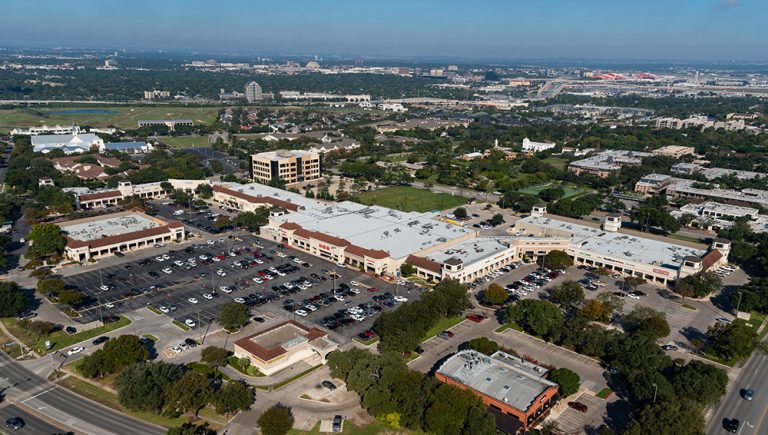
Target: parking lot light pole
{"type": "Point", "coordinates": [655, 389]}
{"type": "Point", "coordinates": [98, 301]}
{"type": "Point", "coordinates": [198, 324]}
{"type": "Point", "coordinates": [737, 304]}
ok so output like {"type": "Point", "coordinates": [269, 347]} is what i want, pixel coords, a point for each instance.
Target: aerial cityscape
{"type": "Point", "coordinates": [384, 217]}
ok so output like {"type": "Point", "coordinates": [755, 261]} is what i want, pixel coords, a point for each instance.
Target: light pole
{"type": "Point", "coordinates": [101, 314]}
{"type": "Point", "coordinates": [737, 304]}
{"type": "Point", "coordinates": [655, 390]}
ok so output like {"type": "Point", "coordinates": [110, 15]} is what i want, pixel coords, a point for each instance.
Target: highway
{"type": "Point", "coordinates": [33, 424]}
{"type": "Point", "coordinates": [751, 414]}
{"type": "Point", "coordinates": [72, 411]}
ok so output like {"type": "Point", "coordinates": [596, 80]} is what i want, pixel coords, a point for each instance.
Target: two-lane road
{"type": "Point", "coordinates": [751, 414]}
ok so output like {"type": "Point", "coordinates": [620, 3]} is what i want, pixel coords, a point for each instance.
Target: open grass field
{"type": "Point", "coordinates": [60, 339]}
{"type": "Point", "coordinates": [569, 191]}
{"type": "Point", "coordinates": [557, 162]}
{"type": "Point", "coordinates": [190, 141]}
{"type": "Point", "coordinates": [119, 116]}
{"type": "Point", "coordinates": [405, 198]}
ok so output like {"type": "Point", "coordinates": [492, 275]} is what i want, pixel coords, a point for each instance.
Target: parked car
{"type": "Point", "coordinates": [336, 426]}
{"type": "Point", "coordinates": [189, 322]}
{"type": "Point", "coordinates": [578, 406]}
{"type": "Point", "coordinates": [14, 423]}
{"type": "Point", "coordinates": [477, 318]}
{"type": "Point", "coordinates": [445, 334]}
{"type": "Point", "coordinates": [329, 385]}
{"type": "Point", "coordinates": [670, 347]}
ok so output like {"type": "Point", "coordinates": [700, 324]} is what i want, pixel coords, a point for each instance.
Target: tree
{"type": "Point", "coordinates": [495, 295]}
{"type": "Point", "coordinates": [595, 310]}
{"type": "Point", "coordinates": [223, 221]}
{"type": "Point", "coordinates": [407, 269]}
{"type": "Point", "coordinates": [12, 300]}
{"type": "Point", "coordinates": [736, 340]}
{"type": "Point", "coordinates": [253, 220]}
{"type": "Point", "coordinates": [541, 318]}
{"type": "Point", "coordinates": [204, 191]}
{"type": "Point", "coordinates": [114, 356]}
{"type": "Point", "coordinates": [752, 297]}
{"type": "Point", "coordinates": [699, 285]}
{"type": "Point", "coordinates": [46, 240]}
{"type": "Point", "coordinates": [483, 345]}
{"type": "Point", "coordinates": [644, 320]}
{"type": "Point", "coordinates": [41, 273]}
{"type": "Point", "coordinates": [277, 420]}
{"type": "Point", "coordinates": [214, 355]}
{"type": "Point", "coordinates": [497, 219]}
{"type": "Point", "coordinates": [190, 393]}
{"type": "Point", "coordinates": [569, 381]}
{"type": "Point", "coordinates": [234, 396]}
{"type": "Point", "coordinates": [143, 386]}
{"type": "Point", "coordinates": [611, 301]}
{"type": "Point", "coordinates": [39, 328]}
{"type": "Point", "coordinates": [192, 429]}
{"type": "Point", "coordinates": [460, 213]}
{"type": "Point", "coordinates": [233, 315]}
{"type": "Point", "coordinates": [679, 417]}
{"type": "Point", "coordinates": [636, 355]}
{"type": "Point", "coordinates": [557, 260]}
{"type": "Point", "coordinates": [567, 294]}
{"type": "Point", "coordinates": [51, 286]}
{"type": "Point", "coordinates": [72, 298]}
{"type": "Point", "coordinates": [551, 194]}
{"type": "Point", "coordinates": [700, 382]}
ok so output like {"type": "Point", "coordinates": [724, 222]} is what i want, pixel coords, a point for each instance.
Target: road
{"type": "Point", "coordinates": [58, 404]}
{"type": "Point", "coordinates": [33, 424]}
{"type": "Point", "coordinates": [751, 414]}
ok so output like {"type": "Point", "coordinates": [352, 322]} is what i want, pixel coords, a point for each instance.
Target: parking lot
{"type": "Point", "coordinates": [143, 283]}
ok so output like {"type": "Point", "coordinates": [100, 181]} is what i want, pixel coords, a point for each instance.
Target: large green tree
{"type": "Point", "coordinates": [646, 320]}
{"type": "Point", "coordinates": [233, 315]}
{"type": "Point", "coordinates": [482, 345]}
{"type": "Point", "coordinates": [540, 318]}
{"type": "Point", "coordinates": [569, 381]}
{"type": "Point", "coordinates": [46, 240]}
{"type": "Point", "coordinates": [699, 285]}
{"type": "Point", "coordinates": [116, 354]}
{"type": "Point", "coordinates": [675, 417]}
{"type": "Point", "coordinates": [699, 381]}
{"type": "Point", "coordinates": [252, 220]}
{"type": "Point", "coordinates": [214, 355]}
{"type": "Point", "coordinates": [144, 386]}
{"type": "Point", "coordinates": [567, 294]}
{"type": "Point", "coordinates": [736, 340]}
{"type": "Point", "coordinates": [190, 393]}
{"type": "Point", "coordinates": [495, 295]}
{"type": "Point", "coordinates": [557, 260]}
{"type": "Point", "coordinates": [234, 396]}
{"type": "Point", "coordinates": [277, 420]}
{"type": "Point", "coordinates": [12, 300]}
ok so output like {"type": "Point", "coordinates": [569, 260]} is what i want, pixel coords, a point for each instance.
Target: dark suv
{"type": "Point", "coordinates": [336, 423]}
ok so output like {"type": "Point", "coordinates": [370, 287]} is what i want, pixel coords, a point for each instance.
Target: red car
{"type": "Point", "coordinates": [221, 257]}
{"type": "Point", "coordinates": [369, 333]}
{"type": "Point", "coordinates": [578, 406]}
{"type": "Point", "coordinates": [477, 318]}
{"type": "Point", "coordinates": [373, 289]}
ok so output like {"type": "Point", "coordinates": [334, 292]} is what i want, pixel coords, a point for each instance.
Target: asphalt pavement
{"type": "Point", "coordinates": [33, 422]}
{"type": "Point", "coordinates": [58, 404]}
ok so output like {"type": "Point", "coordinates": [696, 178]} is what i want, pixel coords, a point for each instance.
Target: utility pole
{"type": "Point", "coordinates": [101, 314]}
{"type": "Point", "coordinates": [198, 325]}
{"type": "Point", "coordinates": [737, 304]}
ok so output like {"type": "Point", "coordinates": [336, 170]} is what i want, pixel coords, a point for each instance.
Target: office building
{"type": "Point", "coordinates": [510, 386]}
{"type": "Point", "coordinates": [692, 190]}
{"type": "Point", "coordinates": [100, 236]}
{"type": "Point", "coordinates": [607, 163]}
{"type": "Point", "coordinates": [715, 173]}
{"type": "Point", "coordinates": [653, 184]}
{"type": "Point", "coordinates": [290, 166]}
{"type": "Point", "coordinates": [535, 147]}
{"type": "Point", "coordinates": [284, 345]}
{"type": "Point", "coordinates": [674, 151]}
{"type": "Point", "coordinates": [253, 92]}
{"type": "Point", "coordinates": [170, 123]}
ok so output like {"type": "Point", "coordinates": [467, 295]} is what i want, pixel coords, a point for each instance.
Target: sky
{"type": "Point", "coordinates": [722, 30]}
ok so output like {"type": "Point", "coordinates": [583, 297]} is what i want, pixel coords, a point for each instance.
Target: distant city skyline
{"type": "Point", "coordinates": [492, 29]}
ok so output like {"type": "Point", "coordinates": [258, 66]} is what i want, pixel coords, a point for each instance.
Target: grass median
{"type": "Point", "coordinates": [60, 339]}
{"type": "Point", "coordinates": [279, 385]}
{"type": "Point", "coordinates": [181, 326]}
{"type": "Point", "coordinates": [442, 325]}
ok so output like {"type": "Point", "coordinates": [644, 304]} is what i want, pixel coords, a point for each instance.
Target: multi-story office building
{"type": "Point", "coordinates": [253, 92]}
{"type": "Point", "coordinates": [290, 166]}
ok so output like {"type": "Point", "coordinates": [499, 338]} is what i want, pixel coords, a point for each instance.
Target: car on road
{"type": "Point", "coordinates": [14, 423]}
{"type": "Point", "coordinates": [102, 339]}
{"type": "Point", "coordinates": [578, 406]}
{"type": "Point", "coordinates": [731, 425]}
{"type": "Point", "coordinates": [193, 300]}
{"type": "Point", "coordinates": [75, 350]}
{"type": "Point", "coordinates": [749, 394]}
{"type": "Point", "coordinates": [329, 385]}
{"type": "Point", "coordinates": [189, 322]}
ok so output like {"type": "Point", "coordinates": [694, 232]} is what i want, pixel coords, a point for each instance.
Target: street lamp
{"type": "Point", "coordinates": [737, 304]}
{"type": "Point", "coordinates": [655, 390]}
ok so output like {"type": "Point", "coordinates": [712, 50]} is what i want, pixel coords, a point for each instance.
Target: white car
{"type": "Point", "coordinates": [208, 296]}
{"type": "Point", "coordinates": [297, 260]}
{"type": "Point", "coordinates": [225, 289]}
{"type": "Point", "coordinates": [633, 296]}
{"type": "Point", "coordinates": [104, 287]}
{"type": "Point", "coordinates": [280, 254]}
{"type": "Point", "coordinates": [240, 300]}
{"type": "Point", "coordinates": [401, 299]}
{"type": "Point", "coordinates": [176, 349]}
{"type": "Point", "coordinates": [192, 300]}
{"type": "Point", "coordinates": [75, 350]}
{"type": "Point", "coordinates": [257, 280]}
{"type": "Point", "coordinates": [203, 257]}
{"type": "Point", "coordinates": [164, 309]}
{"type": "Point", "coordinates": [189, 322]}
{"type": "Point", "coordinates": [210, 242]}
{"type": "Point", "coordinates": [168, 270]}
{"type": "Point", "coordinates": [358, 317]}
{"type": "Point", "coordinates": [159, 258]}
{"type": "Point", "coordinates": [221, 273]}
{"type": "Point", "coordinates": [109, 305]}
{"type": "Point", "coordinates": [340, 264]}
{"type": "Point", "coordinates": [166, 257]}
{"type": "Point", "coordinates": [354, 283]}
{"type": "Point", "coordinates": [22, 240]}
{"type": "Point", "coordinates": [301, 313]}
{"type": "Point", "coordinates": [338, 297]}
{"type": "Point", "coordinates": [354, 291]}
{"type": "Point", "coordinates": [178, 263]}
{"type": "Point", "coordinates": [310, 307]}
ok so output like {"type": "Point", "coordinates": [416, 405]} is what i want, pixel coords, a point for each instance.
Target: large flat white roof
{"type": "Point", "coordinates": [619, 246]}
{"type": "Point", "coordinates": [472, 250]}
{"type": "Point", "coordinates": [373, 227]}
{"type": "Point", "coordinates": [257, 190]}
{"type": "Point", "coordinates": [109, 226]}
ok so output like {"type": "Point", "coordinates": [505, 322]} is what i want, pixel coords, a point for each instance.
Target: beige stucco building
{"type": "Point", "coordinates": [290, 166]}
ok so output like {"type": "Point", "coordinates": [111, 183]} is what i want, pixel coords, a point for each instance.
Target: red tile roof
{"type": "Point", "coordinates": [100, 195]}
{"type": "Point", "coordinates": [336, 241]}
{"type": "Point", "coordinates": [363, 252]}
{"type": "Point", "coordinates": [424, 263]}
{"type": "Point", "coordinates": [257, 199]}
{"type": "Point", "coordinates": [711, 258]}
{"type": "Point", "coordinates": [266, 354]}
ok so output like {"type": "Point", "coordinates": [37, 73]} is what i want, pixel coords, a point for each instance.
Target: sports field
{"type": "Point", "coordinates": [569, 191]}
{"type": "Point", "coordinates": [410, 199]}
{"type": "Point", "coordinates": [101, 116]}
{"type": "Point", "coordinates": [190, 141]}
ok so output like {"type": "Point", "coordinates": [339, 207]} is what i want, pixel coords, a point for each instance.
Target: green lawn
{"type": "Point", "coordinates": [190, 141]}
{"type": "Point", "coordinates": [570, 191]}
{"type": "Point", "coordinates": [60, 339]}
{"type": "Point", "coordinates": [155, 310]}
{"type": "Point", "coordinates": [181, 325]}
{"type": "Point", "coordinates": [125, 117]}
{"type": "Point", "coordinates": [406, 198]}
{"type": "Point", "coordinates": [109, 399]}
{"type": "Point", "coordinates": [280, 385]}
{"type": "Point", "coordinates": [248, 370]}
{"type": "Point", "coordinates": [375, 428]}
{"type": "Point", "coordinates": [510, 325]}
{"type": "Point", "coordinates": [605, 393]}
{"type": "Point", "coordinates": [557, 162]}
{"type": "Point", "coordinates": [442, 325]}
{"type": "Point", "coordinates": [366, 342]}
